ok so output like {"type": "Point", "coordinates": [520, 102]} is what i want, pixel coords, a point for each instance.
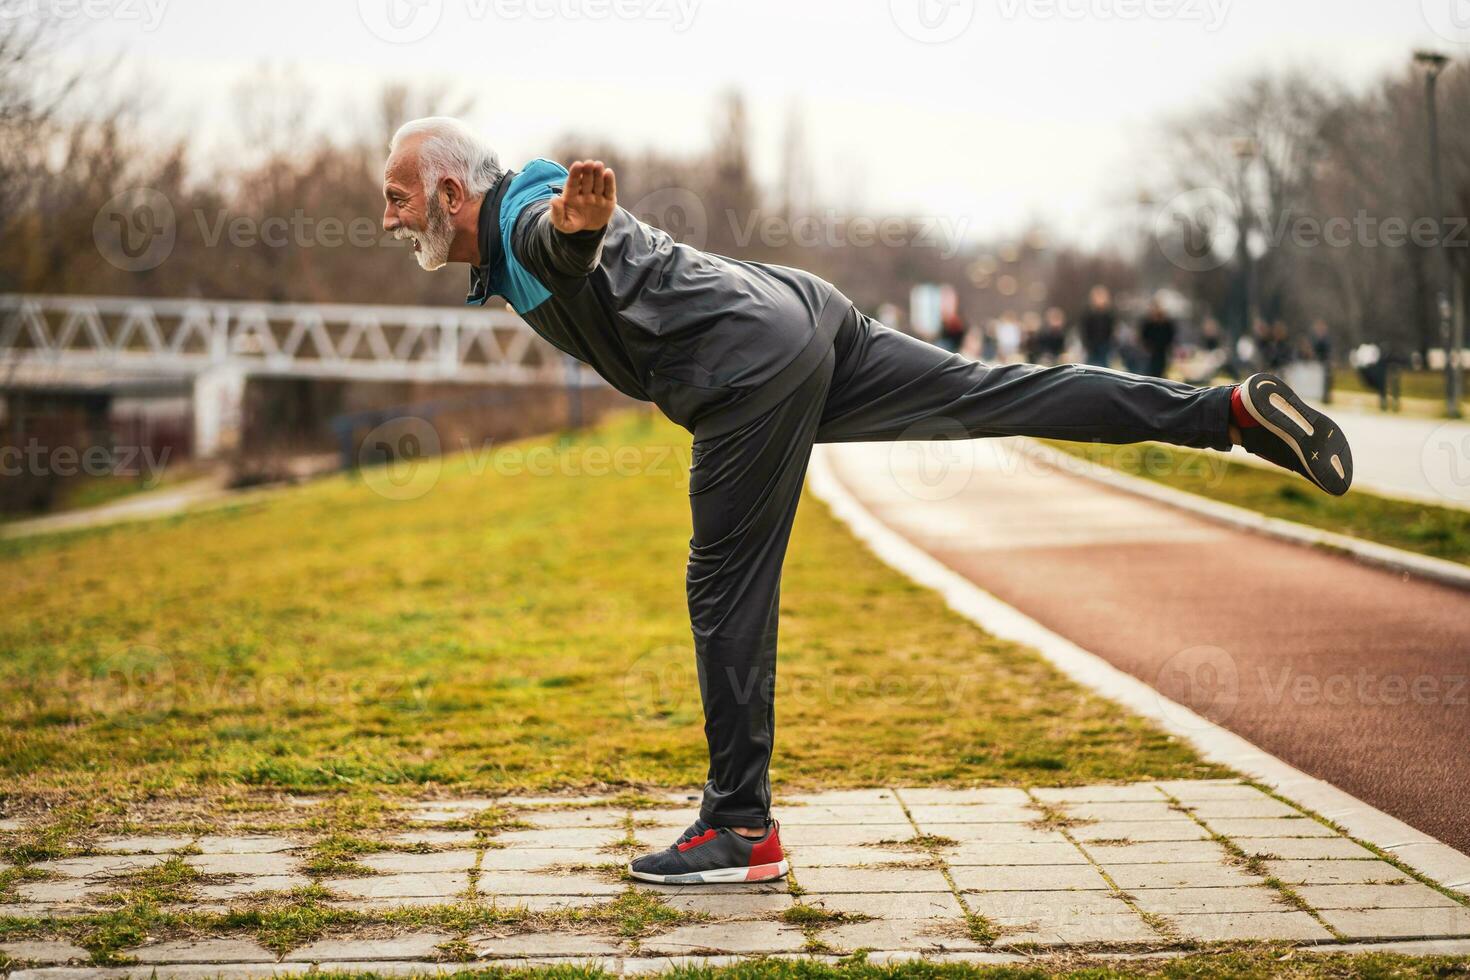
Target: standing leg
{"type": "Point", "coordinates": [891, 386]}
{"type": "Point", "coordinates": [743, 491]}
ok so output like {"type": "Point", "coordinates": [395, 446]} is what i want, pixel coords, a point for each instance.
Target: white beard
{"type": "Point", "coordinates": [434, 241]}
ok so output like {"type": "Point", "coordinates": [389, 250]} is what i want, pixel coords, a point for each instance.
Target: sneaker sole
{"type": "Point", "coordinates": [1317, 440]}
{"type": "Point", "coordinates": [718, 876]}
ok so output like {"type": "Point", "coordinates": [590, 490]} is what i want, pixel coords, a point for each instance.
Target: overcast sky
{"type": "Point", "coordinates": [991, 111]}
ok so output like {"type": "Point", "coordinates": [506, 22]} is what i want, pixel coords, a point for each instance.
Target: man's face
{"type": "Point", "coordinates": [410, 213]}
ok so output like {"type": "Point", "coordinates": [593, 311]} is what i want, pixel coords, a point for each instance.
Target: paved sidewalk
{"type": "Point", "coordinates": [1414, 458]}
{"type": "Point", "coordinates": [982, 874]}
{"type": "Point", "coordinates": [1353, 674]}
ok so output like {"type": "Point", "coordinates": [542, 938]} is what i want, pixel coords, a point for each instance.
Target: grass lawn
{"type": "Point", "coordinates": [498, 621]}
{"type": "Point", "coordinates": [519, 626]}
{"type": "Point", "coordinates": [1441, 532]}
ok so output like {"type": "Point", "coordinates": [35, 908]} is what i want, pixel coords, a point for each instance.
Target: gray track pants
{"type": "Point", "coordinates": [876, 385]}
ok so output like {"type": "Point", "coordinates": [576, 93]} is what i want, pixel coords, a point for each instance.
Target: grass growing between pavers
{"type": "Point", "coordinates": [519, 626]}
{"type": "Point", "coordinates": [1285, 964]}
{"type": "Point", "coordinates": [1440, 532]}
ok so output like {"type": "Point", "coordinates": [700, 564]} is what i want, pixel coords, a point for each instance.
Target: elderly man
{"type": "Point", "coordinates": [759, 362]}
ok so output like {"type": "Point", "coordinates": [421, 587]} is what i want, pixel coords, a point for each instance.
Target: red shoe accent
{"type": "Point", "coordinates": [1238, 414]}
{"type": "Point", "coordinates": [768, 851]}
{"type": "Point", "coordinates": [703, 838]}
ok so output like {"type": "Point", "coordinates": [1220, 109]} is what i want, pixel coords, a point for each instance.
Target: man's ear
{"type": "Point", "coordinates": [454, 194]}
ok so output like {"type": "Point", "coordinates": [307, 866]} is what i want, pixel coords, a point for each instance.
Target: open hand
{"type": "Point", "coordinates": [588, 199]}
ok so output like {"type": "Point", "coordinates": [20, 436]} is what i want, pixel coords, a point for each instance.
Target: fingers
{"type": "Point", "coordinates": [589, 178]}
{"type": "Point", "coordinates": [609, 185]}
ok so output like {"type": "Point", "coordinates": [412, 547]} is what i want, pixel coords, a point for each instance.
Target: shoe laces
{"type": "Point", "coordinates": [695, 829]}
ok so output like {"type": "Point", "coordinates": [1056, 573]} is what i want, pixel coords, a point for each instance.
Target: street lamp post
{"type": "Point", "coordinates": [1245, 149]}
{"type": "Point", "coordinates": [1433, 63]}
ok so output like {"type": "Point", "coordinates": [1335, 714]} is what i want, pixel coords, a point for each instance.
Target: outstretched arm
{"type": "Point", "coordinates": [561, 239]}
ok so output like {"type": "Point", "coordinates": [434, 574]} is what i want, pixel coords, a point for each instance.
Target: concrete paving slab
{"type": "Point", "coordinates": [1306, 848]}
{"type": "Point", "coordinates": [1125, 792]}
{"type": "Point", "coordinates": [936, 813]}
{"type": "Point", "coordinates": [907, 880]}
{"type": "Point", "coordinates": [561, 837]}
{"type": "Point", "coordinates": [1191, 875]}
{"type": "Point", "coordinates": [1399, 923]}
{"type": "Point", "coordinates": [251, 844]}
{"type": "Point", "coordinates": [814, 815]}
{"type": "Point", "coordinates": [245, 863]}
{"type": "Point", "coordinates": [847, 835]}
{"type": "Point", "coordinates": [995, 854]}
{"type": "Point", "coordinates": [1335, 872]}
{"type": "Point", "coordinates": [1202, 790]}
{"type": "Point", "coordinates": [1125, 811]}
{"type": "Point", "coordinates": [1063, 877]}
{"type": "Point", "coordinates": [1045, 906]}
{"type": "Point", "coordinates": [104, 866]}
{"type": "Point", "coordinates": [1231, 926]}
{"type": "Point", "coordinates": [1299, 827]}
{"type": "Point", "coordinates": [1157, 852]}
{"type": "Point", "coordinates": [1125, 928]}
{"type": "Point", "coordinates": [558, 944]}
{"type": "Point", "coordinates": [400, 863]}
{"type": "Point", "coordinates": [1248, 809]}
{"type": "Point", "coordinates": [405, 946]}
{"type": "Point", "coordinates": [441, 885]}
{"type": "Point", "coordinates": [512, 883]}
{"type": "Point", "coordinates": [1141, 831]}
{"type": "Point", "coordinates": [952, 797]}
{"type": "Point", "coordinates": [851, 857]}
{"type": "Point", "coordinates": [581, 817]}
{"type": "Point", "coordinates": [223, 950]}
{"type": "Point", "coordinates": [540, 858]}
{"type": "Point", "coordinates": [842, 797]}
{"type": "Point", "coordinates": [48, 951]}
{"type": "Point", "coordinates": [449, 838]}
{"type": "Point", "coordinates": [732, 937]}
{"type": "Point", "coordinates": [731, 906]}
{"type": "Point", "coordinates": [142, 845]}
{"type": "Point", "coordinates": [889, 905]}
{"type": "Point", "coordinates": [996, 833]}
{"type": "Point", "coordinates": [1171, 901]}
{"type": "Point", "coordinates": [226, 891]}
{"type": "Point", "coordinates": [65, 890]}
{"type": "Point", "coordinates": [1405, 895]}
{"type": "Point", "coordinates": [917, 935]}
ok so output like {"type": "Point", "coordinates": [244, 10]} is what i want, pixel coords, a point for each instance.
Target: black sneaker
{"type": "Point", "coordinates": [705, 855]}
{"type": "Point", "coordinates": [1294, 435]}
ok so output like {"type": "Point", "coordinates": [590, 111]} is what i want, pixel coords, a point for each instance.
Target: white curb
{"type": "Point", "coordinates": [1414, 848]}
{"type": "Point", "coordinates": [1395, 559]}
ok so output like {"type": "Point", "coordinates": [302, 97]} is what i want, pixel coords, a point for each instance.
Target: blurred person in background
{"type": "Point", "coordinates": [1276, 351]}
{"type": "Point", "coordinates": [1157, 334]}
{"type": "Point", "coordinates": [1322, 354]}
{"type": "Point", "coordinates": [1099, 327]}
{"type": "Point", "coordinates": [952, 330]}
{"type": "Point", "coordinates": [761, 362]}
{"type": "Point", "coordinates": [1051, 338]}
{"type": "Point", "coordinates": [1007, 338]}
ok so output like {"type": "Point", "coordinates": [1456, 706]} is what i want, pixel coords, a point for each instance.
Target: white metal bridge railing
{"type": "Point", "coordinates": [185, 336]}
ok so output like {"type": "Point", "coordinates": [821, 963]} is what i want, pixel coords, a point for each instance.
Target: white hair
{"type": "Point", "coordinates": [450, 149]}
